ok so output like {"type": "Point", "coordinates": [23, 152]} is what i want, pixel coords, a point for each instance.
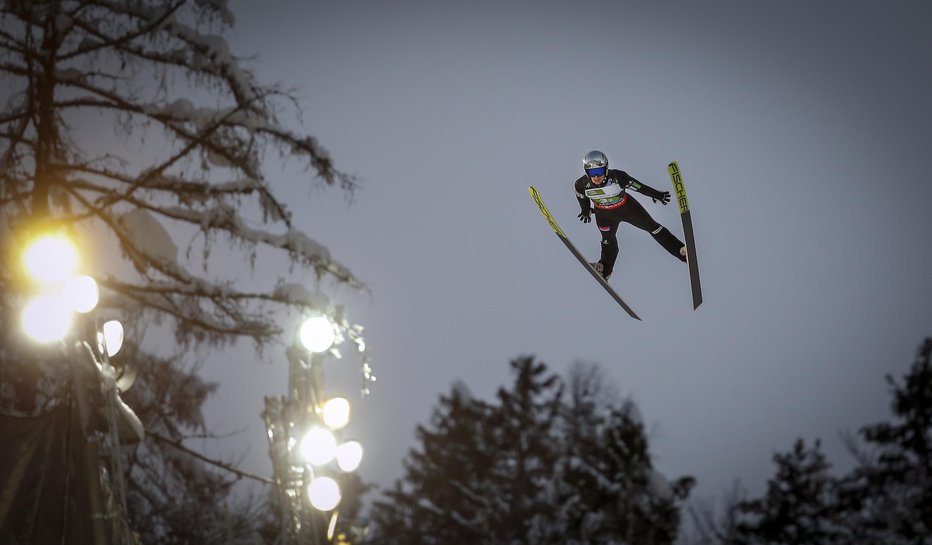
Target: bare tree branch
{"type": "Point", "coordinates": [226, 467]}
{"type": "Point", "coordinates": [119, 41]}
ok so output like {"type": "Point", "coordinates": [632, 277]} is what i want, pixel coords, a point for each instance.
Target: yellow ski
{"type": "Point", "coordinates": [569, 245]}
{"type": "Point", "coordinates": [679, 189]}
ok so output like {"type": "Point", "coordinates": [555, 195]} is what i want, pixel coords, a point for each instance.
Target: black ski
{"type": "Point", "coordinates": [569, 246]}
{"type": "Point", "coordinates": [680, 189]}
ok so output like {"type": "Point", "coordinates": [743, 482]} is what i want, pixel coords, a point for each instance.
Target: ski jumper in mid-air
{"type": "Point", "coordinates": [606, 190]}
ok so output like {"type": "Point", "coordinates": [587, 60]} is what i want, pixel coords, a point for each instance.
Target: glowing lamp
{"type": "Point", "coordinates": [324, 493]}
{"type": "Point", "coordinates": [336, 413]}
{"type": "Point", "coordinates": [318, 447]}
{"type": "Point", "coordinates": [51, 259]}
{"type": "Point", "coordinates": [111, 337]}
{"type": "Point", "coordinates": [82, 294]}
{"type": "Point", "coordinates": [46, 318]}
{"type": "Point", "coordinates": [317, 334]}
{"type": "Point", "coordinates": [349, 456]}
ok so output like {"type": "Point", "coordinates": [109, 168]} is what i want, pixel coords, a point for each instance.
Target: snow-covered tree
{"type": "Point", "coordinates": [448, 488]}
{"type": "Point", "coordinates": [888, 496]}
{"type": "Point", "coordinates": [524, 424]}
{"type": "Point", "coordinates": [154, 72]}
{"type": "Point", "coordinates": [571, 489]}
{"type": "Point", "coordinates": [532, 468]}
{"type": "Point", "coordinates": [605, 488]}
{"type": "Point", "coordinates": [800, 505]}
{"type": "Point", "coordinates": [130, 124]}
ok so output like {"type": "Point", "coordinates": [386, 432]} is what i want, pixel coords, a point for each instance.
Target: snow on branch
{"type": "Point", "coordinates": [209, 54]}
{"type": "Point", "coordinates": [163, 67]}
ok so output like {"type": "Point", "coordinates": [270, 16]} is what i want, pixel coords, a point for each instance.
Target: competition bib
{"type": "Point", "coordinates": [607, 195]}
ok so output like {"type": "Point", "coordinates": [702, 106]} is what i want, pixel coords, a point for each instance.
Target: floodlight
{"type": "Point", "coordinates": [317, 334]}
{"type": "Point", "coordinates": [50, 259]}
{"type": "Point", "coordinates": [336, 413]}
{"type": "Point", "coordinates": [82, 293]}
{"type": "Point", "coordinates": [318, 447]}
{"type": "Point", "coordinates": [113, 337]}
{"type": "Point", "coordinates": [324, 493]}
{"type": "Point", "coordinates": [349, 456]}
{"type": "Point", "coordinates": [46, 318]}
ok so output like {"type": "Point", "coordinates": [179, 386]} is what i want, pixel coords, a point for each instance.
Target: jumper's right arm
{"type": "Point", "coordinates": [584, 205]}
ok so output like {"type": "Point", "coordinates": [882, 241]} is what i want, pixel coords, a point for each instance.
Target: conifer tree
{"type": "Point", "coordinates": [886, 498]}
{"type": "Point", "coordinates": [444, 497]}
{"type": "Point", "coordinates": [531, 469]}
{"type": "Point", "coordinates": [573, 490]}
{"type": "Point", "coordinates": [653, 513]}
{"type": "Point", "coordinates": [524, 426]}
{"type": "Point", "coordinates": [889, 494]}
{"type": "Point", "coordinates": [605, 489]}
{"type": "Point", "coordinates": [799, 506]}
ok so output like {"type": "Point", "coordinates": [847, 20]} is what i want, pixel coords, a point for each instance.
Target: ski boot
{"type": "Point", "coordinates": [599, 268]}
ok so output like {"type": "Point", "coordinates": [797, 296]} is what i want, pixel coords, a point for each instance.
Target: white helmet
{"type": "Point", "coordinates": [593, 160]}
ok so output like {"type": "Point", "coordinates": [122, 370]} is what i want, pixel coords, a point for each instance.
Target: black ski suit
{"type": "Point", "coordinates": [613, 206]}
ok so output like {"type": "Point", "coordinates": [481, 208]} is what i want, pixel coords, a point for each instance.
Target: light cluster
{"type": "Point", "coordinates": [321, 446]}
{"type": "Point", "coordinates": [57, 292]}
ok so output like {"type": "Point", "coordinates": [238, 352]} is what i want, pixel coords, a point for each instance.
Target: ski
{"type": "Point", "coordinates": [679, 189]}
{"type": "Point", "coordinates": [569, 246]}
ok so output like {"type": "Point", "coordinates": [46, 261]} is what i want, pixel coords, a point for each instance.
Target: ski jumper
{"type": "Point", "coordinates": [612, 206]}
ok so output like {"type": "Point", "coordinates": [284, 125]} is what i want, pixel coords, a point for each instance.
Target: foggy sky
{"type": "Point", "coordinates": [801, 129]}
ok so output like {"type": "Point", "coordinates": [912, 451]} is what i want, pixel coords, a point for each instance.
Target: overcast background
{"type": "Point", "coordinates": [802, 130]}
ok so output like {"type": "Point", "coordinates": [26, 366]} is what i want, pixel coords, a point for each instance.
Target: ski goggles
{"type": "Point", "coordinates": [598, 171]}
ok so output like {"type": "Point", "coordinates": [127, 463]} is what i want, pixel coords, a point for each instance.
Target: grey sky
{"type": "Point", "coordinates": [801, 129]}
